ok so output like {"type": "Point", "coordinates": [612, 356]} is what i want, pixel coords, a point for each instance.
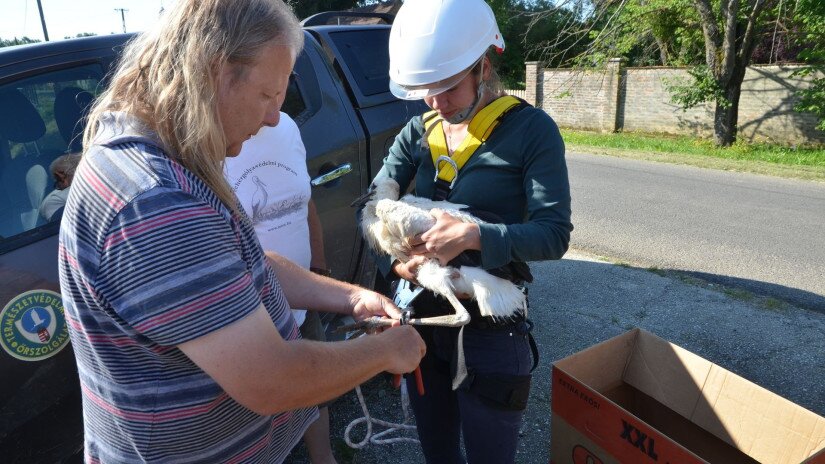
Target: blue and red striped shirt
{"type": "Point", "coordinates": [150, 258]}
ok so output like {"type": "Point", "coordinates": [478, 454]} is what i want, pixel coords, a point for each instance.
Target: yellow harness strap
{"type": "Point", "coordinates": [480, 128]}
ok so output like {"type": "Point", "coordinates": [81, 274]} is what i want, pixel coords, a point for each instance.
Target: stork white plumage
{"type": "Point", "coordinates": [388, 223]}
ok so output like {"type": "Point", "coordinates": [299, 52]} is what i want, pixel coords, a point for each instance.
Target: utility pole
{"type": "Point", "coordinates": [43, 21]}
{"type": "Point", "coordinates": [122, 16]}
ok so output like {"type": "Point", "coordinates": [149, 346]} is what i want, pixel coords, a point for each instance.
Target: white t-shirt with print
{"type": "Point", "coordinates": [271, 181]}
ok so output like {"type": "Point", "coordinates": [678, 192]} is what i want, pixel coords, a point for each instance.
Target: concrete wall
{"type": "Point", "coordinates": [636, 99]}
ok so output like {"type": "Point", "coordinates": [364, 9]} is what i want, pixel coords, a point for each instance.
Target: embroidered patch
{"type": "Point", "coordinates": [33, 326]}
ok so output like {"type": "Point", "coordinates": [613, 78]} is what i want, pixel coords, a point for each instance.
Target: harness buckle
{"type": "Point", "coordinates": [451, 162]}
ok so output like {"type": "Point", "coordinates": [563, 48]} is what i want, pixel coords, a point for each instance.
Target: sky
{"type": "Point", "coordinates": [71, 17]}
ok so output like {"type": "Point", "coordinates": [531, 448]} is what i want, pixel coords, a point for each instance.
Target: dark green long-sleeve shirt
{"type": "Point", "coordinates": [519, 174]}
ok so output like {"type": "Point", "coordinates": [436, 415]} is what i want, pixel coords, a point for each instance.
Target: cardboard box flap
{"type": "Point", "coordinates": [601, 366]}
{"type": "Point", "coordinates": [637, 394]}
{"type": "Point", "coordinates": [764, 425]}
{"type": "Point", "coordinates": [670, 374]}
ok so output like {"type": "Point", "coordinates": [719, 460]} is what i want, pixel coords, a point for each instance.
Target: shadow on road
{"type": "Point", "coordinates": [794, 296]}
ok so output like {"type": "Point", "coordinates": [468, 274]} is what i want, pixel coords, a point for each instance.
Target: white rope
{"type": "Point", "coordinates": [378, 438]}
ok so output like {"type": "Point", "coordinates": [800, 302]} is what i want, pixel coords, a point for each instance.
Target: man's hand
{"type": "Point", "coordinates": [446, 239]}
{"type": "Point", "coordinates": [366, 304]}
{"type": "Point", "coordinates": [407, 346]}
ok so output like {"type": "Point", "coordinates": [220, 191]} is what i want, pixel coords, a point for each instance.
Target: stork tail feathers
{"type": "Point", "coordinates": [496, 297]}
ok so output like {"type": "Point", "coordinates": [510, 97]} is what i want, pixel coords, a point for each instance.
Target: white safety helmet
{"type": "Point", "coordinates": [434, 44]}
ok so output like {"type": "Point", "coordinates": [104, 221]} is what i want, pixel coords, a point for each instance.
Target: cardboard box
{"type": "Point", "coordinates": [638, 399]}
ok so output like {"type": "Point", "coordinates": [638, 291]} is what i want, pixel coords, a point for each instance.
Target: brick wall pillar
{"type": "Point", "coordinates": [534, 83]}
{"type": "Point", "coordinates": [613, 88]}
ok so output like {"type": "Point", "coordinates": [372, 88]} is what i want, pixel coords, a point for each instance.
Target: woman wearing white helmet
{"type": "Point", "coordinates": [498, 155]}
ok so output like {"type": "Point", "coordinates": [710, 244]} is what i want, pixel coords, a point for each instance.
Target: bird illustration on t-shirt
{"type": "Point", "coordinates": [260, 197]}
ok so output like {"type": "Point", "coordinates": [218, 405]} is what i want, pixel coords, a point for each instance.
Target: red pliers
{"type": "Point", "coordinates": [419, 381]}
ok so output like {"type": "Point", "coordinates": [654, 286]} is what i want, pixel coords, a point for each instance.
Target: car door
{"type": "Point", "coordinates": [43, 98]}
{"type": "Point", "coordinates": [336, 153]}
{"type": "Point", "coordinates": [361, 54]}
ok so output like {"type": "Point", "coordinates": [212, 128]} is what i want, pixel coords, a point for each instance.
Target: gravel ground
{"type": "Point", "coordinates": [582, 300]}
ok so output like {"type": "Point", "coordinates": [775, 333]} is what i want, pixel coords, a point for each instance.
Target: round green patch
{"type": "Point", "coordinates": [33, 326]}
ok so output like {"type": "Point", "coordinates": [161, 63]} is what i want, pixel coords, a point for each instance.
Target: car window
{"type": "Point", "coordinates": [367, 57]}
{"type": "Point", "coordinates": [294, 104]}
{"type": "Point", "coordinates": [41, 119]}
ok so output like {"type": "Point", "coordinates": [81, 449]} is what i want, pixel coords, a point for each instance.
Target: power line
{"type": "Point", "coordinates": [42, 20]}
{"type": "Point", "coordinates": [122, 16]}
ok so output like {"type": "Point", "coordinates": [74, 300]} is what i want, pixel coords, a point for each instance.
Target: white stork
{"type": "Point", "coordinates": [388, 223]}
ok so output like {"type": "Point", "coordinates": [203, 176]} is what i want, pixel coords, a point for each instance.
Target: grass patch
{"type": "Point", "coordinates": [772, 304]}
{"type": "Point", "coordinates": [762, 158]}
{"type": "Point", "coordinates": [738, 294]}
{"type": "Point", "coordinates": [657, 271]}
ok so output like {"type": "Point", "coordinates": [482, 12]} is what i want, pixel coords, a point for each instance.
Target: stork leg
{"type": "Point", "coordinates": [438, 279]}
{"type": "Point", "coordinates": [460, 318]}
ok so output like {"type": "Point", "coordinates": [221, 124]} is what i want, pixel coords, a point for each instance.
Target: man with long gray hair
{"type": "Point", "coordinates": [181, 326]}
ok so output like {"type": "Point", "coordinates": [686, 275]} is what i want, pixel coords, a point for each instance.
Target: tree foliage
{"type": "Point", "coordinates": [699, 88]}
{"type": "Point", "coordinates": [719, 35]}
{"type": "Point", "coordinates": [305, 8]}
{"type": "Point", "coordinates": [15, 41]}
{"type": "Point", "coordinates": [811, 17]}
{"type": "Point", "coordinates": [522, 24]}
{"type": "Point", "coordinates": [644, 32]}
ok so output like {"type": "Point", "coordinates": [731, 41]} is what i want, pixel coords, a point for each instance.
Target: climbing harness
{"type": "Point", "coordinates": [481, 126]}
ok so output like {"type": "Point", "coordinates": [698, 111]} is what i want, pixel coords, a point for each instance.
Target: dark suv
{"type": "Point", "coordinates": [44, 91]}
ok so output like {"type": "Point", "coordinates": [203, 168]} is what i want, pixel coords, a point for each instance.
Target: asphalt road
{"type": "Point", "coordinates": [763, 234]}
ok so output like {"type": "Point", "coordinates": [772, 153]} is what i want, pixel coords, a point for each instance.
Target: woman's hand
{"type": "Point", "coordinates": [446, 239]}
{"type": "Point", "coordinates": [409, 270]}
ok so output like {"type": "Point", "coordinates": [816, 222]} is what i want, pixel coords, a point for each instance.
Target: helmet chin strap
{"type": "Point", "coordinates": [465, 114]}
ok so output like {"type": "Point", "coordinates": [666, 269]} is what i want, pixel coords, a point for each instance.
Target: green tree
{"type": "Point", "coordinates": [306, 8]}
{"type": "Point", "coordinates": [727, 32]}
{"type": "Point", "coordinates": [15, 41]}
{"type": "Point", "coordinates": [516, 19]}
{"type": "Point", "coordinates": [811, 18]}
{"type": "Point", "coordinates": [524, 23]}
{"type": "Point", "coordinates": [82, 34]}
{"type": "Point", "coordinates": [643, 31]}
{"type": "Point", "coordinates": [730, 33]}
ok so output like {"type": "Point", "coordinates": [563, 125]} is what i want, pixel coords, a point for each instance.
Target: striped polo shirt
{"type": "Point", "coordinates": [150, 258]}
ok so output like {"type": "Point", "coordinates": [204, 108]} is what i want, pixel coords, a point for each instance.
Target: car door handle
{"type": "Point", "coordinates": [330, 176]}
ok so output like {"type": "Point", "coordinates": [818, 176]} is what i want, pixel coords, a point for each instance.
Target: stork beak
{"type": "Point", "coordinates": [363, 199]}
